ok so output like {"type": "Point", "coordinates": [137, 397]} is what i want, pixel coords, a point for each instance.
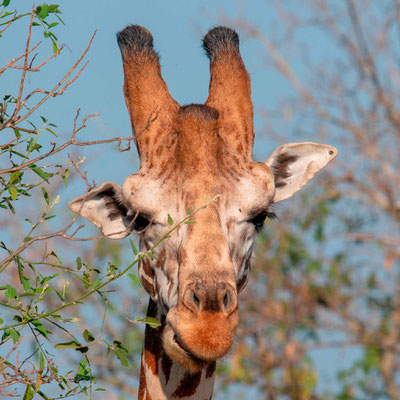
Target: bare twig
{"type": "Point", "coordinates": [74, 142]}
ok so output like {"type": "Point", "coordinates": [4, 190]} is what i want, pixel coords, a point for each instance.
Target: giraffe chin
{"type": "Point", "coordinates": [175, 350]}
{"type": "Point", "coordinates": [194, 342]}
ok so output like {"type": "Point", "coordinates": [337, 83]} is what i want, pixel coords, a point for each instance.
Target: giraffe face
{"type": "Point", "coordinates": [201, 267]}
{"type": "Point", "coordinates": [190, 155]}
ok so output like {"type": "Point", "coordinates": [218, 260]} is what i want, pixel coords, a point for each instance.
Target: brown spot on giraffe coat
{"type": "Point", "coordinates": [188, 385]}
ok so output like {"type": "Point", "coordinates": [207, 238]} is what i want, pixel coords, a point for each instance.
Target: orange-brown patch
{"type": "Point", "coordinates": [209, 335]}
{"type": "Point", "coordinates": [142, 382]}
{"type": "Point", "coordinates": [152, 341]}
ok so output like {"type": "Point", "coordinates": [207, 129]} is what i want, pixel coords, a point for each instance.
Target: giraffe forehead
{"type": "Point", "coordinates": [250, 186]}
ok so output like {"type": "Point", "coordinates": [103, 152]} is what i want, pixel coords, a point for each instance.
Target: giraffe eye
{"type": "Point", "coordinates": [258, 220]}
{"type": "Point", "coordinates": [141, 222]}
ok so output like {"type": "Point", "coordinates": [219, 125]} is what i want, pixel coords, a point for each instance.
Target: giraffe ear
{"type": "Point", "coordinates": [104, 209]}
{"type": "Point", "coordinates": [294, 164]}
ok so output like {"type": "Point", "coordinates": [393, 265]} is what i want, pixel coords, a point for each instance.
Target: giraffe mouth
{"type": "Point", "coordinates": [177, 351]}
{"type": "Point", "coordinates": [194, 341]}
{"type": "Point", "coordinates": [196, 359]}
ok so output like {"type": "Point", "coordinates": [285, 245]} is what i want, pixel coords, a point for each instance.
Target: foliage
{"type": "Point", "coordinates": [46, 294]}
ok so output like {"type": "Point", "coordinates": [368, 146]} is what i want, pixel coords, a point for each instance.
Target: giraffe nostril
{"type": "Point", "coordinates": [195, 300]}
{"type": "Point", "coordinates": [226, 300]}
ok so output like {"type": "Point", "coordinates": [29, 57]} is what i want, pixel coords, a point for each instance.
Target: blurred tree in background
{"type": "Point", "coordinates": [326, 274]}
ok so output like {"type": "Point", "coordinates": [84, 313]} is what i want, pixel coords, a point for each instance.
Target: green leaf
{"type": "Point", "coordinates": [54, 255]}
{"type": "Point", "coordinates": [96, 283]}
{"type": "Point", "coordinates": [88, 336]}
{"type": "Point", "coordinates": [44, 175]}
{"type": "Point", "coordinates": [152, 255]}
{"type": "Point", "coordinates": [29, 393]}
{"type": "Point", "coordinates": [41, 361]}
{"type": "Point", "coordinates": [16, 176]}
{"type": "Point", "coordinates": [78, 263]}
{"type": "Point", "coordinates": [40, 328]}
{"type": "Point", "coordinates": [31, 145]}
{"type": "Point", "coordinates": [20, 271]}
{"type": "Point", "coordinates": [43, 11]}
{"type": "Point", "coordinates": [189, 222]}
{"type": "Point", "coordinates": [121, 352]}
{"type": "Point", "coordinates": [47, 278]}
{"type": "Point", "coordinates": [65, 177]}
{"type": "Point", "coordinates": [153, 322]}
{"type": "Point", "coordinates": [53, 8]}
{"type": "Point", "coordinates": [134, 249]}
{"type": "Point", "coordinates": [52, 25]}
{"type": "Point", "coordinates": [170, 220]}
{"type": "Point", "coordinates": [6, 3]}
{"type": "Point", "coordinates": [52, 132]}
{"type": "Point", "coordinates": [15, 335]}
{"type": "Point", "coordinates": [135, 280]}
{"type": "Point", "coordinates": [371, 359]}
{"type": "Point", "coordinates": [372, 281]}
{"type": "Point", "coordinates": [13, 191]}
{"type": "Point", "coordinates": [67, 345]}
{"type": "Point", "coordinates": [10, 292]}
{"type": "Point", "coordinates": [55, 49]}
{"type": "Point", "coordinates": [25, 284]}
{"type": "Point", "coordinates": [16, 133]}
{"type": "Point", "coordinates": [82, 349]}
{"type": "Point", "coordinates": [83, 372]}
{"type": "Point", "coordinates": [23, 279]}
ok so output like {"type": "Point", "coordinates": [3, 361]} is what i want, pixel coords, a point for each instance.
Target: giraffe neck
{"type": "Point", "coordinates": [164, 379]}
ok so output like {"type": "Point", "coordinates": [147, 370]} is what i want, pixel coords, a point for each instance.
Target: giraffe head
{"type": "Point", "coordinates": [189, 155]}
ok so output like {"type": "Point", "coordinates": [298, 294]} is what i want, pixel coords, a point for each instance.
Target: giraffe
{"type": "Point", "coordinates": [189, 154]}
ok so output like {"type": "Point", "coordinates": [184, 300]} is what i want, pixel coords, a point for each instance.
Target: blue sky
{"type": "Point", "coordinates": [177, 27]}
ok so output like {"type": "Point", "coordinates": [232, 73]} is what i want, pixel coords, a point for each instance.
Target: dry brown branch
{"type": "Point", "coordinates": [21, 85]}
{"type": "Point", "coordinates": [14, 60]}
{"type": "Point", "coordinates": [7, 144]}
{"type": "Point", "coordinates": [8, 24]}
{"type": "Point", "coordinates": [13, 374]}
{"type": "Point", "coordinates": [57, 89]}
{"type": "Point", "coordinates": [83, 175]}
{"type": "Point", "coordinates": [54, 91]}
{"type": "Point", "coordinates": [54, 150]}
{"type": "Point", "coordinates": [37, 68]}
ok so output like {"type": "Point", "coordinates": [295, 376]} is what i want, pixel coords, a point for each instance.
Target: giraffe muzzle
{"type": "Point", "coordinates": [201, 328]}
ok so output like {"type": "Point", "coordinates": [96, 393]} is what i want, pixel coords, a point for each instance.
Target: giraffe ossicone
{"type": "Point", "coordinates": [190, 154]}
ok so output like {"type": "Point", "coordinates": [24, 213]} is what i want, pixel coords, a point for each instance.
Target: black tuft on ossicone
{"type": "Point", "coordinates": [135, 38]}
{"type": "Point", "coordinates": [220, 39]}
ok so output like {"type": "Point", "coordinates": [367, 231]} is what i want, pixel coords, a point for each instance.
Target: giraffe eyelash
{"type": "Point", "coordinates": [258, 219]}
